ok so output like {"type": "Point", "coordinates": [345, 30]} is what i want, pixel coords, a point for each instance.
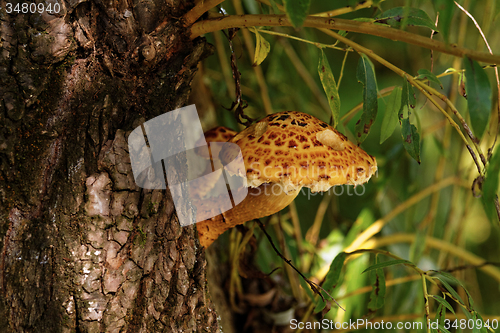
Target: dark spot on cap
{"type": "Point", "coordinates": [292, 144]}
{"type": "Point", "coordinates": [272, 136]}
{"type": "Point", "coordinates": [284, 117]}
{"type": "Point", "coordinates": [301, 124]}
{"type": "Point", "coordinates": [324, 125]}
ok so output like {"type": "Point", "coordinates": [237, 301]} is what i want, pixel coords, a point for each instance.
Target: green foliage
{"type": "Point", "coordinates": [297, 10]}
{"type": "Point", "coordinates": [491, 186]}
{"type": "Point", "coordinates": [395, 17]}
{"type": "Point", "coordinates": [425, 74]}
{"type": "Point", "coordinates": [330, 87]}
{"type": "Point", "coordinates": [445, 10]}
{"type": "Point", "coordinates": [366, 75]}
{"type": "Point", "coordinates": [377, 296]}
{"type": "Point", "coordinates": [390, 121]}
{"type": "Point", "coordinates": [478, 95]}
{"type": "Point", "coordinates": [411, 139]}
{"type": "Point", "coordinates": [387, 264]}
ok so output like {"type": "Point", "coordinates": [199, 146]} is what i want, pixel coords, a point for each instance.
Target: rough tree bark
{"type": "Point", "coordinates": [82, 248]}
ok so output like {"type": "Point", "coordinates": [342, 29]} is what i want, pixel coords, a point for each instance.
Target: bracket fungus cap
{"type": "Point", "coordinates": [295, 149]}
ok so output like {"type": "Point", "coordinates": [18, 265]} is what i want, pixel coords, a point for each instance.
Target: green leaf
{"type": "Point", "coordinates": [408, 98]}
{"type": "Point", "coordinates": [425, 74]}
{"type": "Point", "coordinates": [388, 263]}
{"type": "Point", "coordinates": [366, 75]}
{"type": "Point", "coordinates": [377, 296]}
{"type": "Point", "coordinates": [333, 275]}
{"type": "Point", "coordinates": [443, 302]}
{"type": "Point", "coordinates": [440, 313]}
{"type": "Point", "coordinates": [411, 139]}
{"type": "Point", "coordinates": [275, 8]}
{"type": "Point", "coordinates": [478, 91]}
{"type": "Point", "coordinates": [457, 281]}
{"type": "Point", "coordinates": [330, 87]}
{"type": "Point", "coordinates": [331, 279]}
{"type": "Point", "coordinates": [307, 288]}
{"type": "Point", "coordinates": [390, 120]}
{"type": "Point", "coordinates": [477, 329]}
{"type": "Point", "coordinates": [412, 16]}
{"type": "Point", "coordinates": [262, 47]}
{"type": "Point", "coordinates": [451, 290]}
{"type": "Point", "coordinates": [445, 8]}
{"type": "Point", "coordinates": [297, 10]}
{"type": "Point", "coordinates": [490, 186]}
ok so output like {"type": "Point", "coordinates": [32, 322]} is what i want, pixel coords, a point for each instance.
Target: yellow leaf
{"type": "Point", "coordinates": [262, 48]}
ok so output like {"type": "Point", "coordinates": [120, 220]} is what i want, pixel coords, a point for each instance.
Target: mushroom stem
{"type": "Point", "coordinates": [262, 201]}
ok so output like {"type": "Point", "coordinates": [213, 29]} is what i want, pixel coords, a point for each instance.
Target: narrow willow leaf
{"type": "Point", "coordinates": [478, 91]}
{"type": "Point", "coordinates": [330, 87]}
{"type": "Point", "coordinates": [440, 313]}
{"type": "Point", "coordinates": [411, 139]}
{"type": "Point", "coordinates": [443, 302]}
{"type": "Point", "coordinates": [426, 74]}
{"type": "Point", "coordinates": [377, 296]}
{"type": "Point", "coordinates": [366, 75]}
{"type": "Point", "coordinates": [331, 279]}
{"type": "Point", "coordinates": [482, 329]}
{"type": "Point", "coordinates": [388, 263]}
{"type": "Point", "coordinates": [412, 16]}
{"type": "Point", "coordinates": [451, 290]}
{"type": "Point", "coordinates": [445, 9]}
{"type": "Point", "coordinates": [297, 10]}
{"type": "Point", "coordinates": [333, 275]}
{"type": "Point", "coordinates": [262, 47]}
{"type": "Point", "coordinates": [390, 120]}
{"type": "Point", "coordinates": [457, 281]}
{"type": "Point", "coordinates": [408, 98]}
{"type": "Point", "coordinates": [307, 289]}
{"type": "Point", "coordinates": [490, 186]}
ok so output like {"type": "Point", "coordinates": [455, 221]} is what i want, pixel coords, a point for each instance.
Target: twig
{"type": "Point", "coordinates": [231, 21]}
{"type": "Point", "coordinates": [314, 286]}
{"type": "Point", "coordinates": [197, 11]}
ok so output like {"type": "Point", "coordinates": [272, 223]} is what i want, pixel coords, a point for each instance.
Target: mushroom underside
{"type": "Point", "coordinates": [259, 202]}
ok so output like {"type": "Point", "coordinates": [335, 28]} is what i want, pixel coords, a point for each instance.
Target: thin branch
{"type": "Point", "coordinates": [197, 11]}
{"type": "Point", "coordinates": [314, 286]}
{"type": "Point", "coordinates": [231, 21]}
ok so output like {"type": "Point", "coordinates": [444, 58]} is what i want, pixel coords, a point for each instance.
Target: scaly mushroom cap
{"type": "Point", "coordinates": [295, 149]}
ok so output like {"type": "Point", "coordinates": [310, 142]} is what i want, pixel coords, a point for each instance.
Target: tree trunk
{"type": "Point", "coordinates": [83, 249]}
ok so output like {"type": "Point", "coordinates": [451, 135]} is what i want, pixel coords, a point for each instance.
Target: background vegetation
{"type": "Point", "coordinates": [438, 215]}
